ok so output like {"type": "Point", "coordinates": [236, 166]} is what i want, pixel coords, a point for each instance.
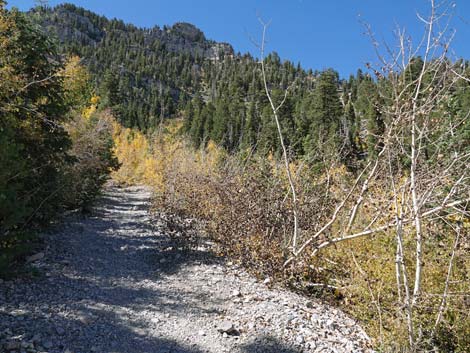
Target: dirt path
{"type": "Point", "coordinates": [115, 282]}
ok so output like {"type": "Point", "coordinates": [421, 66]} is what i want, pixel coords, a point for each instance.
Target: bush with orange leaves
{"type": "Point", "coordinates": [243, 203]}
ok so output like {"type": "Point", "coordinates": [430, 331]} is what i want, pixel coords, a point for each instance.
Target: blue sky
{"type": "Point", "coordinates": [317, 33]}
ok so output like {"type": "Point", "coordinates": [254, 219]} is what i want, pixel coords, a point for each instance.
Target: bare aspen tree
{"type": "Point", "coordinates": [414, 82]}
{"type": "Point", "coordinates": [275, 110]}
{"type": "Point", "coordinates": [445, 294]}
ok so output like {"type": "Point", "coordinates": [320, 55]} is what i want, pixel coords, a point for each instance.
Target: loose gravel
{"type": "Point", "coordinates": [116, 282]}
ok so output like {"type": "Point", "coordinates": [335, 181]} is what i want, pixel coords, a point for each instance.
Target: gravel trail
{"type": "Point", "coordinates": [115, 282]}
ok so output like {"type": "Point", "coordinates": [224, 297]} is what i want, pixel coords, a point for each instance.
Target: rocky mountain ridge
{"type": "Point", "coordinates": [71, 23]}
{"type": "Point", "coordinates": [143, 74]}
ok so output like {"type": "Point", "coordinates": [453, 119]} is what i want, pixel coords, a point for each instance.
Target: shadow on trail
{"type": "Point", "coordinates": [268, 344]}
{"type": "Point", "coordinates": [105, 275]}
{"type": "Point", "coordinates": [116, 336]}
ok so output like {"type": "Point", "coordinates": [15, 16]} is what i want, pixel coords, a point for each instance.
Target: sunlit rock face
{"type": "Point", "coordinates": [73, 24]}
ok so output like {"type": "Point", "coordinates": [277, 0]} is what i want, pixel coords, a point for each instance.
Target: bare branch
{"type": "Point", "coordinates": [281, 137]}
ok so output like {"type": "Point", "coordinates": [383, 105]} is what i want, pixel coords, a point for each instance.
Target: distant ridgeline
{"type": "Point", "coordinates": [147, 75]}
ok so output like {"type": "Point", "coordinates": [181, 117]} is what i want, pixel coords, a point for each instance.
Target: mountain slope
{"type": "Point", "coordinates": [147, 75]}
{"type": "Point", "coordinates": [149, 72]}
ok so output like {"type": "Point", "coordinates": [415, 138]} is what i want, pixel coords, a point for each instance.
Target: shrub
{"type": "Point", "coordinates": [92, 151]}
{"type": "Point", "coordinates": [244, 205]}
{"type": "Point", "coordinates": [33, 142]}
{"type": "Point", "coordinates": [55, 149]}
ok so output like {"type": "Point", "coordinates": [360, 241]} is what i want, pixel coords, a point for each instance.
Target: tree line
{"type": "Point", "coordinates": [149, 75]}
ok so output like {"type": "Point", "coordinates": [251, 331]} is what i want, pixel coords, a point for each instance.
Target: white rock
{"type": "Point", "coordinates": [227, 327]}
{"type": "Point", "coordinates": [18, 312]}
{"type": "Point", "coordinates": [236, 293]}
{"type": "Point", "coordinates": [35, 257]}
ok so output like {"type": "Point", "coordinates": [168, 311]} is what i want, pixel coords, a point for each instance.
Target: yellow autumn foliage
{"type": "Point", "coordinates": [132, 149]}
{"type": "Point", "coordinates": [244, 207]}
{"type": "Point", "coordinates": [150, 160]}
{"type": "Point", "coordinates": [76, 83]}
{"type": "Point", "coordinates": [91, 109]}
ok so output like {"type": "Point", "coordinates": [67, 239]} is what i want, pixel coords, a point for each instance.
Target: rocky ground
{"type": "Point", "coordinates": [116, 282]}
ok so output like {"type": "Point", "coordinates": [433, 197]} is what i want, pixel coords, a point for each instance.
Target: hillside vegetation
{"type": "Point", "coordinates": [353, 190]}
{"type": "Point", "coordinates": [55, 143]}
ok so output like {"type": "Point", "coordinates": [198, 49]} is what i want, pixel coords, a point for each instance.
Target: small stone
{"type": "Point", "coordinates": [228, 328]}
{"type": "Point", "coordinates": [300, 340]}
{"type": "Point", "coordinates": [224, 335]}
{"type": "Point", "coordinates": [60, 331]}
{"type": "Point", "coordinates": [140, 332]}
{"type": "Point", "coordinates": [201, 333]}
{"type": "Point", "coordinates": [315, 318]}
{"type": "Point", "coordinates": [236, 293]}
{"type": "Point", "coordinates": [35, 257]}
{"type": "Point", "coordinates": [291, 318]}
{"type": "Point", "coordinates": [267, 280]}
{"type": "Point", "coordinates": [162, 260]}
{"type": "Point", "coordinates": [85, 320]}
{"type": "Point", "coordinates": [18, 313]}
